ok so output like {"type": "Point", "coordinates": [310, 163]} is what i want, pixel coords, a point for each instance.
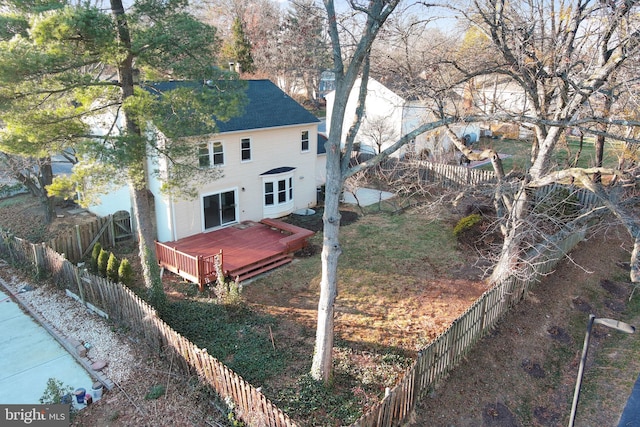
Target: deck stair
{"type": "Point", "coordinates": [262, 266]}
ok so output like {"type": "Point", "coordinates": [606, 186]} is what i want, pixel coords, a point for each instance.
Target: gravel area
{"type": "Point", "coordinates": [75, 323]}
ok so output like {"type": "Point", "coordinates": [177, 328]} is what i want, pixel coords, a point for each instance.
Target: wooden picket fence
{"type": "Point", "coordinates": [433, 364]}
{"type": "Point", "coordinates": [452, 176]}
{"type": "Point", "coordinates": [126, 308]}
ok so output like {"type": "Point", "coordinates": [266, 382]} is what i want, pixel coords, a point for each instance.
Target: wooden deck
{"type": "Point", "coordinates": [248, 249]}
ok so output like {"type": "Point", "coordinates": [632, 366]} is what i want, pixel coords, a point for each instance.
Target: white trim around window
{"type": "Point", "coordinates": [305, 141]}
{"type": "Point", "coordinates": [245, 150]}
{"type": "Point", "coordinates": [277, 199]}
{"type": "Point", "coordinates": [210, 154]}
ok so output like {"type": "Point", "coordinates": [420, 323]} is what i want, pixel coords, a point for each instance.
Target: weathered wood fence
{"type": "Point", "coordinates": [126, 308]}
{"type": "Point", "coordinates": [443, 354]}
{"type": "Point", "coordinates": [76, 243]}
{"type": "Point", "coordinates": [458, 177]}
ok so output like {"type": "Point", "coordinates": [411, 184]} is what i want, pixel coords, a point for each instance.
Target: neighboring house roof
{"type": "Point", "coordinates": [268, 106]}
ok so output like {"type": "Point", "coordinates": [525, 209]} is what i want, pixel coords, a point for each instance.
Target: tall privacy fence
{"type": "Point", "coordinates": [433, 364]}
{"type": "Point", "coordinates": [126, 308]}
{"type": "Point", "coordinates": [77, 242]}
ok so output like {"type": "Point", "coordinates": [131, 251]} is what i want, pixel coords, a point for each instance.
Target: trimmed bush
{"type": "Point", "coordinates": [95, 253]}
{"type": "Point", "coordinates": [103, 260]}
{"type": "Point", "coordinates": [112, 268]}
{"type": "Point", "coordinates": [125, 272]}
{"type": "Point", "coordinates": [466, 223]}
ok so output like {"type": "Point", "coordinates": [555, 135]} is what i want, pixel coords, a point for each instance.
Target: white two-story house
{"type": "Point", "coordinates": [267, 157]}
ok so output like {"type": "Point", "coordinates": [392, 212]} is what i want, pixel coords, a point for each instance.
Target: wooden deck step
{"type": "Point", "coordinates": [260, 267]}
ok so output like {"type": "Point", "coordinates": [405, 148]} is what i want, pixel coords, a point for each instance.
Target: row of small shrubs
{"type": "Point", "coordinates": [104, 263]}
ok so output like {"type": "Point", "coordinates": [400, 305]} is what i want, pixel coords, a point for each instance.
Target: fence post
{"type": "Point", "coordinates": [36, 259]}
{"type": "Point", "coordinates": [79, 282]}
{"type": "Point", "coordinates": [112, 231]}
{"type": "Point", "coordinates": [200, 272]}
{"type": "Point", "coordinates": [79, 237]}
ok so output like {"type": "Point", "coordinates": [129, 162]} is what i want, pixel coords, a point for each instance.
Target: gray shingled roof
{"type": "Point", "coordinates": [268, 106]}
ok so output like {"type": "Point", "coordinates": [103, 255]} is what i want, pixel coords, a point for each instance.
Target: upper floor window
{"type": "Point", "coordinates": [305, 140]}
{"type": "Point", "coordinates": [210, 154]}
{"type": "Point", "coordinates": [245, 149]}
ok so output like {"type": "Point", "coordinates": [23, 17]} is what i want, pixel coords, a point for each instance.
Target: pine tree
{"type": "Point", "coordinates": [238, 49]}
{"type": "Point", "coordinates": [95, 253]}
{"type": "Point", "coordinates": [66, 66]}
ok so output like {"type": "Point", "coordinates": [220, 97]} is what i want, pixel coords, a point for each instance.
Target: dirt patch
{"type": "Point", "coordinates": [23, 216]}
{"type": "Point", "coordinates": [314, 222]}
{"type": "Point", "coordinates": [498, 415]}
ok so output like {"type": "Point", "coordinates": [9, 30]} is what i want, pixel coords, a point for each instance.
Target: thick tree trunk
{"type": "Point", "coordinates": [35, 181]}
{"type": "Point", "coordinates": [323, 355]}
{"type": "Point", "coordinates": [541, 163]}
{"type": "Point", "coordinates": [140, 196]}
{"type": "Point", "coordinates": [337, 168]}
{"type": "Point", "coordinates": [322, 362]}
{"type": "Point", "coordinates": [145, 231]}
{"type": "Point", "coordinates": [511, 247]}
{"type": "Point", "coordinates": [46, 178]}
{"type": "Point", "coordinates": [600, 139]}
{"type": "Point", "coordinates": [599, 156]}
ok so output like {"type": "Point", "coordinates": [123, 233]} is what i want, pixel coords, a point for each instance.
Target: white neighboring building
{"type": "Point", "coordinates": [388, 117]}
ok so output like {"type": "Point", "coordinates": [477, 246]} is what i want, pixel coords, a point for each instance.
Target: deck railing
{"type": "Point", "coordinates": [201, 269]}
{"type": "Point", "coordinates": [198, 269]}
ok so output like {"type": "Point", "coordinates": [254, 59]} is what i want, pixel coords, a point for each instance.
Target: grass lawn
{"type": "Point", "coordinates": [520, 153]}
{"type": "Point", "coordinates": [402, 281]}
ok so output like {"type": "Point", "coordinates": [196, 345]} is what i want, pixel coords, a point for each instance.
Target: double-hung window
{"type": "Point", "coordinates": [210, 154]}
{"type": "Point", "coordinates": [304, 140]}
{"type": "Point", "coordinates": [278, 191]}
{"type": "Point", "coordinates": [245, 149]}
